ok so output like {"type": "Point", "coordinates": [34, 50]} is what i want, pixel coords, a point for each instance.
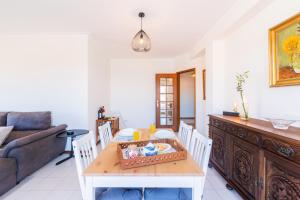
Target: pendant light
{"type": "Point", "coordinates": [141, 41]}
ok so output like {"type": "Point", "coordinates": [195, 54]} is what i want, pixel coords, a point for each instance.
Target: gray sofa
{"type": "Point", "coordinates": [31, 145]}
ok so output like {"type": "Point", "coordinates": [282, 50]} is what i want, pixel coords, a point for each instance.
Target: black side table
{"type": "Point", "coordinates": [71, 134]}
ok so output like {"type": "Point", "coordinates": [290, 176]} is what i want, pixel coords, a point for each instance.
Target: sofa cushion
{"type": "Point", "coordinates": [3, 116]}
{"type": "Point", "coordinates": [29, 120]}
{"type": "Point", "coordinates": [18, 134]}
{"type": "Point", "coordinates": [161, 193]}
{"type": "Point", "coordinates": [4, 132]}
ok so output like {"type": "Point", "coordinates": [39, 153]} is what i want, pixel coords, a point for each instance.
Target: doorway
{"type": "Point", "coordinates": [187, 96]}
{"type": "Point", "coordinates": [176, 99]}
{"type": "Point", "coordinates": [166, 101]}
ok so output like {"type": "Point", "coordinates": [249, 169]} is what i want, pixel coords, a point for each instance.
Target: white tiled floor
{"type": "Point", "coordinates": [61, 183]}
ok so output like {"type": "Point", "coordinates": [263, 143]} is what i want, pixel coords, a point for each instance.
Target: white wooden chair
{"type": "Point", "coordinates": [200, 149]}
{"type": "Point", "coordinates": [184, 134]}
{"type": "Point", "coordinates": [105, 134]}
{"type": "Point", "coordinates": [85, 152]}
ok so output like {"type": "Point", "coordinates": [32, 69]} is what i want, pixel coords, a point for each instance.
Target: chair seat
{"type": "Point", "coordinates": [185, 194]}
{"type": "Point", "coordinates": [168, 194]}
{"type": "Point", "coordinates": [118, 194]}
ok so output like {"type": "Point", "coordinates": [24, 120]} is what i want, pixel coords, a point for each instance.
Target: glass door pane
{"type": "Point", "coordinates": [166, 95]}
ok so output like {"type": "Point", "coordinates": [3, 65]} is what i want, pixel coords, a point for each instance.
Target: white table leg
{"type": "Point", "coordinates": [90, 190]}
{"type": "Point", "coordinates": [197, 189]}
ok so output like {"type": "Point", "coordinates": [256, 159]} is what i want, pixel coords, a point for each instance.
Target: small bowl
{"type": "Point", "coordinates": [282, 124]}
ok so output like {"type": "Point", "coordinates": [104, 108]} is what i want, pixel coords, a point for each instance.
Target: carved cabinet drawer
{"type": "Point", "coordinates": [218, 124]}
{"type": "Point", "coordinates": [247, 135]}
{"type": "Point", "coordinates": [219, 149]}
{"type": "Point", "coordinates": [281, 148]}
{"type": "Point", "coordinates": [244, 167]}
{"type": "Point", "coordinates": [240, 132]}
{"type": "Point", "coordinates": [282, 178]}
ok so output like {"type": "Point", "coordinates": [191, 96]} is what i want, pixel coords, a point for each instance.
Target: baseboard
{"type": "Point", "coordinates": [187, 118]}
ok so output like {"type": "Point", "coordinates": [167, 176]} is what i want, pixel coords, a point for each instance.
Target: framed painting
{"type": "Point", "coordinates": [284, 47]}
{"type": "Point", "coordinates": [204, 83]}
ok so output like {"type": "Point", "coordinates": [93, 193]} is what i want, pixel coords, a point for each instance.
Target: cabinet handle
{"type": "Point", "coordinates": [217, 124]}
{"type": "Point", "coordinates": [286, 151]}
{"type": "Point", "coordinates": [241, 135]}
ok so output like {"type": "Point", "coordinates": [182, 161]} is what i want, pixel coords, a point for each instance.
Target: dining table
{"type": "Point", "coordinates": [105, 171]}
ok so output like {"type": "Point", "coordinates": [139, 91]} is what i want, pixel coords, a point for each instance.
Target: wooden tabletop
{"type": "Point", "coordinates": [107, 164]}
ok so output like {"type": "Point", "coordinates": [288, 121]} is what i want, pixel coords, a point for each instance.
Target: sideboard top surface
{"type": "Point", "coordinates": [262, 126]}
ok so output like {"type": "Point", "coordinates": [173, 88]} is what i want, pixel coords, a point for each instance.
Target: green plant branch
{"type": "Point", "coordinates": [241, 80]}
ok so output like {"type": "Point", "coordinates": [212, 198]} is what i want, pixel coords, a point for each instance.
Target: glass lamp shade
{"type": "Point", "coordinates": [141, 42]}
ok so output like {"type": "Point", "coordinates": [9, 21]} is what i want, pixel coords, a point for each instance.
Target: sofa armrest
{"type": "Point", "coordinates": [32, 138]}
{"type": "Point", "coordinates": [8, 174]}
{"type": "Point", "coordinates": [7, 166]}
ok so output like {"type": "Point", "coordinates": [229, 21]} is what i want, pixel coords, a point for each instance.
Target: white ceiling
{"type": "Point", "coordinates": [174, 26]}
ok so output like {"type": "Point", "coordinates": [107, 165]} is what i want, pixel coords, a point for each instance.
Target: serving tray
{"type": "Point", "coordinates": [179, 154]}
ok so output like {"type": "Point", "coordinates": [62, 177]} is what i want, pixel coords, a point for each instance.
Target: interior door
{"type": "Point", "coordinates": [166, 101]}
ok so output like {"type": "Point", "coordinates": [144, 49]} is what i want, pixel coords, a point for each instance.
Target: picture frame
{"type": "Point", "coordinates": [284, 53]}
{"type": "Point", "coordinates": [204, 83]}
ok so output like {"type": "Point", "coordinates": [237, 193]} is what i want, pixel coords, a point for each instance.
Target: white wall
{"type": "Point", "coordinates": [247, 49]}
{"type": "Point", "coordinates": [184, 62]}
{"type": "Point", "coordinates": [98, 81]}
{"type": "Point", "coordinates": [45, 72]}
{"type": "Point", "coordinates": [207, 54]}
{"type": "Point", "coordinates": [187, 96]}
{"type": "Point", "coordinates": [71, 76]}
{"type": "Point", "coordinates": [133, 88]}
{"type": "Point", "coordinates": [239, 42]}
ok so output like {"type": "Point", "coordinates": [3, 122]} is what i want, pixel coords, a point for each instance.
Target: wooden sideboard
{"type": "Point", "coordinates": [114, 122]}
{"type": "Point", "coordinates": [258, 161]}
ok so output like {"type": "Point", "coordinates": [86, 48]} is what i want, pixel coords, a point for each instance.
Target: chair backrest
{"type": "Point", "coordinates": [85, 152]}
{"type": "Point", "coordinates": [184, 134]}
{"type": "Point", "coordinates": [200, 149]}
{"type": "Point", "coordinates": [105, 134]}
{"type": "Point", "coordinates": [122, 122]}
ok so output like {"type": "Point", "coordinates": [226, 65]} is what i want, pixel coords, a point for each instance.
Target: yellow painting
{"type": "Point", "coordinates": [285, 53]}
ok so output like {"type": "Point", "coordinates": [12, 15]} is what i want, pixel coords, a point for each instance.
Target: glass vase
{"type": "Point", "coordinates": [244, 110]}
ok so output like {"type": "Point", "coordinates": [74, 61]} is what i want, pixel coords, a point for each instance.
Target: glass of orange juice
{"type": "Point", "coordinates": [152, 128]}
{"type": "Point", "coordinates": [136, 135]}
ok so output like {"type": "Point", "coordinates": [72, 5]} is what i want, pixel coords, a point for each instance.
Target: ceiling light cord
{"type": "Point", "coordinates": [141, 15]}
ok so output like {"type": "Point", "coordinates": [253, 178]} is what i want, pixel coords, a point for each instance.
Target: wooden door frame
{"type": "Point", "coordinates": [178, 94]}
{"type": "Point", "coordinates": [175, 99]}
